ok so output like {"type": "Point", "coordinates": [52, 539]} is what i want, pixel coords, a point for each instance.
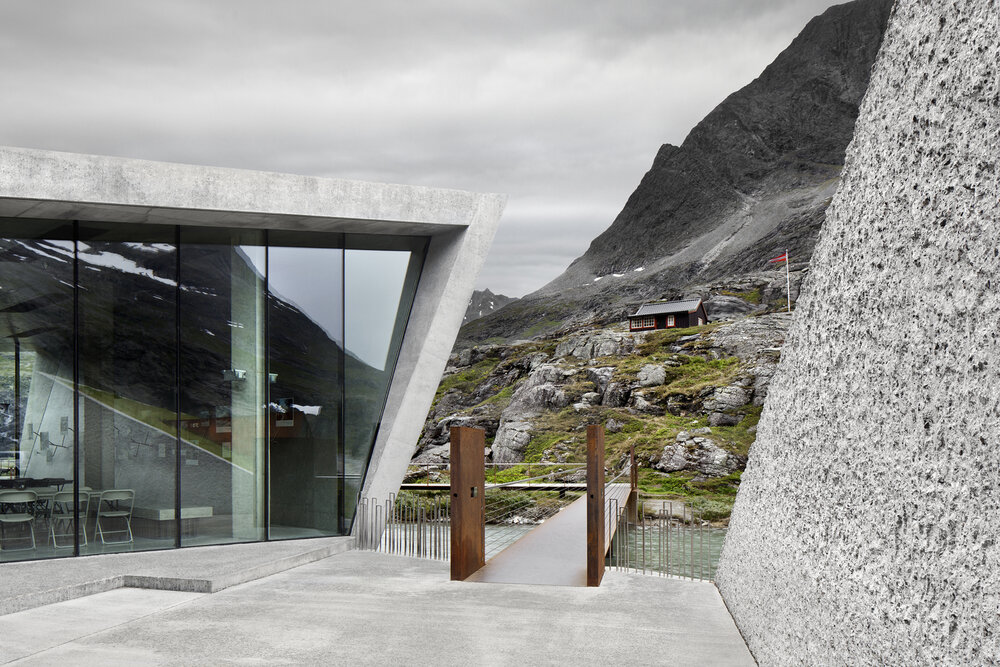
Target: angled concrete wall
{"type": "Point", "coordinates": [867, 526]}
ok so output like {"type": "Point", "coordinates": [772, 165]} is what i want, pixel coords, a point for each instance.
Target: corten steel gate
{"type": "Point", "coordinates": [468, 486]}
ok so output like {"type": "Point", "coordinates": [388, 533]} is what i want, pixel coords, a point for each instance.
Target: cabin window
{"type": "Point", "coordinates": [670, 320]}
{"type": "Point", "coordinates": [700, 321]}
{"type": "Point", "coordinates": [643, 323]}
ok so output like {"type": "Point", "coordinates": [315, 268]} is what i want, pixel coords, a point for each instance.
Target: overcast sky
{"type": "Point", "coordinates": [560, 104]}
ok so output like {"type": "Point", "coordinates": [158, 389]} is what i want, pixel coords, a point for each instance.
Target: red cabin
{"type": "Point", "coordinates": [668, 315]}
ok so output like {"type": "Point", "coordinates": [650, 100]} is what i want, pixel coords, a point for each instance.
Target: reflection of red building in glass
{"type": "Point", "coordinates": [668, 315]}
{"type": "Point", "coordinates": [220, 429]}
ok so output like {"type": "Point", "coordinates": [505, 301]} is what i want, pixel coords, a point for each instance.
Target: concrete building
{"type": "Point", "coordinates": [194, 355]}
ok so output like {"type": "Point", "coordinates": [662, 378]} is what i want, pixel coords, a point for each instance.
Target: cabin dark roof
{"type": "Point", "coordinates": [688, 306]}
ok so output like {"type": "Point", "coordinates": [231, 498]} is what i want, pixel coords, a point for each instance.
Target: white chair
{"type": "Point", "coordinates": [16, 508]}
{"type": "Point", "coordinates": [61, 517]}
{"type": "Point", "coordinates": [115, 504]}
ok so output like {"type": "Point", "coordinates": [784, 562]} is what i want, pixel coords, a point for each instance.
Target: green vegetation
{"type": "Point", "coordinates": [466, 379]}
{"type": "Point", "coordinates": [737, 439]}
{"type": "Point", "coordinates": [660, 341]}
{"type": "Point", "coordinates": [542, 327]}
{"type": "Point", "coordinates": [751, 296]}
{"type": "Point", "coordinates": [698, 374]}
{"type": "Point", "coordinates": [519, 471]}
{"type": "Point", "coordinates": [712, 498]}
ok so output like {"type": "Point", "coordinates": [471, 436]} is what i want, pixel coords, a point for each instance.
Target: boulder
{"type": "Point", "coordinates": [616, 395]}
{"type": "Point", "coordinates": [727, 399]}
{"type": "Point", "coordinates": [700, 455]}
{"type": "Point", "coordinates": [726, 307]}
{"type": "Point", "coordinates": [724, 419]}
{"type": "Point", "coordinates": [593, 344]}
{"type": "Point", "coordinates": [652, 375]}
{"type": "Point", "coordinates": [601, 377]}
{"type": "Point", "coordinates": [511, 440]}
{"type": "Point", "coordinates": [437, 454]}
{"type": "Point", "coordinates": [613, 426]}
{"type": "Point", "coordinates": [640, 404]}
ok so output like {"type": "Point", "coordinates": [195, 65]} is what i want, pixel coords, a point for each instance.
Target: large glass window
{"type": "Point", "coordinates": [167, 386]}
{"type": "Point", "coordinates": [127, 288]}
{"type": "Point", "coordinates": [380, 280]}
{"type": "Point", "coordinates": [306, 334]}
{"type": "Point", "coordinates": [223, 385]}
{"type": "Point", "coordinates": [36, 381]}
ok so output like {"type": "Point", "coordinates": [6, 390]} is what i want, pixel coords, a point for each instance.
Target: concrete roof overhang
{"type": "Point", "coordinates": [69, 186]}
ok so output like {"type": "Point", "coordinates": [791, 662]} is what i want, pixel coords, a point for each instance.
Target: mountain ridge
{"type": "Point", "coordinates": [753, 178]}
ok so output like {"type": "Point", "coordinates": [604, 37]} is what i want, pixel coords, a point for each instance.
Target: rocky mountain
{"type": "Point", "coordinates": [484, 302]}
{"type": "Point", "coordinates": [751, 180]}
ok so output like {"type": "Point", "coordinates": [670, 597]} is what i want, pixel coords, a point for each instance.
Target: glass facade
{"type": "Point", "coordinates": [166, 386]}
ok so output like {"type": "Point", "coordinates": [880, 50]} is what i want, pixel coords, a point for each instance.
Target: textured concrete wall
{"type": "Point", "coordinates": [867, 527]}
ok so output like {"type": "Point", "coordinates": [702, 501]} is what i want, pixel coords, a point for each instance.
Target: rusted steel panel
{"type": "Point", "coordinates": [595, 505]}
{"type": "Point", "coordinates": [468, 484]}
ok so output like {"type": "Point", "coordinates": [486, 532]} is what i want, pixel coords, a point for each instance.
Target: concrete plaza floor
{"type": "Point", "coordinates": [362, 608]}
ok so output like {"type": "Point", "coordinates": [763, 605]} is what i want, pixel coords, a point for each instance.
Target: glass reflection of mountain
{"type": "Point", "coordinates": [128, 332]}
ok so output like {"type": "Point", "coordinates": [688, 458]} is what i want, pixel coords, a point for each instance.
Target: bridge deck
{"type": "Point", "coordinates": [554, 552]}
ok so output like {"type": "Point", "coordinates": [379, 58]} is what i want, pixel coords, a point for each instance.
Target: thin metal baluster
{"type": "Point", "coordinates": [711, 575]}
{"type": "Point", "coordinates": [642, 520]}
{"type": "Point", "coordinates": [616, 545]}
{"type": "Point", "coordinates": [362, 544]}
{"type": "Point", "coordinates": [670, 518]}
{"type": "Point", "coordinates": [411, 542]}
{"type": "Point", "coordinates": [628, 542]}
{"type": "Point", "coordinates": [659, 541]}
{"type": "Point", "coordinates": [691, 536]}
{"type": "Point", "coordinates": [390, 521]}
{"type": "Point", "coordinates": [701, 548]}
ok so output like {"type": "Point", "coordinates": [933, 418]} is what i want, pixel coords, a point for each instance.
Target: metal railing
{"type": "Point", "coordinates": [418, 523]}
{"type": "Point", "coordinates": [681, 544]}
{"type": "Point", "coordinates": [411, 525]}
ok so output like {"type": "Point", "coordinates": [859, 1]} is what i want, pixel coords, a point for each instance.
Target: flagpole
{"type": "Point", "coordinates": [788, 283]}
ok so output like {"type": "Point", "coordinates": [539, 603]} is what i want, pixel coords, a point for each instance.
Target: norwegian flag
{"type": "Point", "coordinates": [780, 258]}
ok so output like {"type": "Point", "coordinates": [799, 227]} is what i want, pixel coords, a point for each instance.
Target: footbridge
{"type": "Point", "coordinates": [567, 548]}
